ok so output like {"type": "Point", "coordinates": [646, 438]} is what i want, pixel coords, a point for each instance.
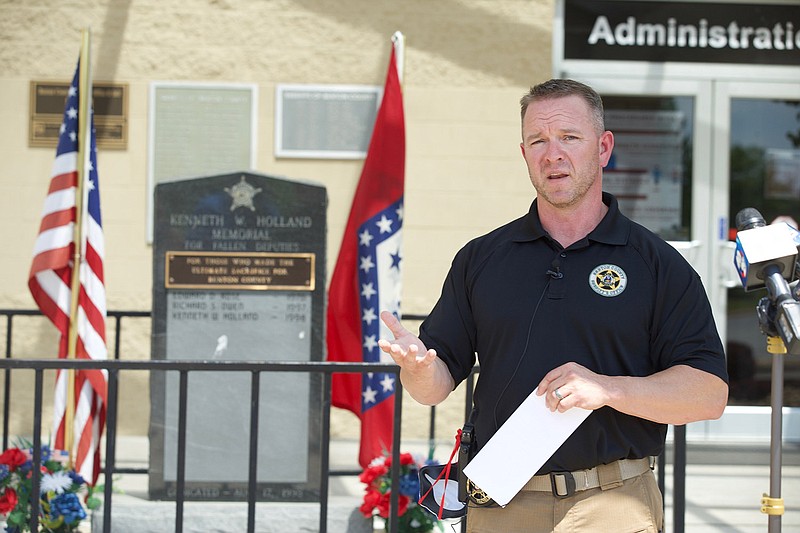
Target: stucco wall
{"type": "Point", "coordinates": [467, 62]}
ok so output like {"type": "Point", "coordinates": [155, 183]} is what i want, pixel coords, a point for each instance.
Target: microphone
{"type": "Point", "coordinates": [749, 218]}
{"type": "Point", "coordinates": [765, 256]}
{"type": "Point", "coordinates": [555, 269]}
{"type": "Point", "coordinates": [763, 250]}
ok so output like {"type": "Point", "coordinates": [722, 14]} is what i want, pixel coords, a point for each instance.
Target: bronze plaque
{"type": "Point", "coordinates": [110, 103]}
{"type": "Point", "coordinates": [251, 271]}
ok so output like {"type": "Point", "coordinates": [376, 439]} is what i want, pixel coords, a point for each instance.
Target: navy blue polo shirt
{"type": "Point", "coordinates": [627, 304]}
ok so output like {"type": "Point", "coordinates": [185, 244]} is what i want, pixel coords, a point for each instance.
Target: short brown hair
{"type": "Point", "coordinates": [561, 88]}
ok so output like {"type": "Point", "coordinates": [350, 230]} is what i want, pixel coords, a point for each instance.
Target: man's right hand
{"type": "Point", "coordinates": [407, 350]}
{"type": "Point", "coordinates": [423, 374]}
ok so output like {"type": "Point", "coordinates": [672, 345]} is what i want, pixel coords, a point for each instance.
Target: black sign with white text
{"type": "Point", "coordinates": [618, 30]}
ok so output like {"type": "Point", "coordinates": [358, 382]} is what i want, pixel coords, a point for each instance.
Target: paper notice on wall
{"type": "Point", "coordinates": [645, 172]}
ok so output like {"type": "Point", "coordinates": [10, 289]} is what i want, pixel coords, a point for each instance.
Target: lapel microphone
{"type": "Point", "coordinates": [555, 269]}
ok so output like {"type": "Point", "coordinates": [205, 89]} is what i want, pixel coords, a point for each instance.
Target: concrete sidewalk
{"type": "Point", "coordinates": [724, 486]}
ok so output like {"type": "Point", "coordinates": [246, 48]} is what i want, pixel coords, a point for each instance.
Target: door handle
{"type": "Point", "coordinates": [685, 245]}
{"type": "Point", "coordinates": [686, 248]}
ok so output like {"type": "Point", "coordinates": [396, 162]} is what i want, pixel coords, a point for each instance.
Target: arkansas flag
{"type": "Point", "coordinates": [366, 278]}
{"type": "Point", "coordinates": [50, 281]}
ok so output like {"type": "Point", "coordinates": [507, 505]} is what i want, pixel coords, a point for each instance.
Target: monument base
{"type": "Point", "coordinates": [142, 516]}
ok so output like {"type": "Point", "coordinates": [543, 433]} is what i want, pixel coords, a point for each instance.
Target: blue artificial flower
{"type": "Point", "coordinates": [409, 485]}
{"type": "Point", "coordinates": [45, 456]}
{"type": "Point", "coordinates": [69, 506]}
{"type": "Point", "coordinates": [4, 471]}
{"type": "Point", "coordinates": [45, 453]}
{"type": "Point", "coordinates": [76, 477]}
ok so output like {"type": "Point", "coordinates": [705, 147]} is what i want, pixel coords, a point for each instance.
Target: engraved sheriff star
{"type": "Point", "coordinates": [242, 194]}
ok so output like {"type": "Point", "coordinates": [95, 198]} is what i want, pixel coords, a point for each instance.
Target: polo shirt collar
{"type": "Point", "coordinates": [615, 227]}
{"type": "Point", "coordinates": [612, 229]}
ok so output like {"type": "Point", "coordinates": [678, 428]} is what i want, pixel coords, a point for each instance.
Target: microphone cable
{"type": "Point", "coordinates": [525, 349]}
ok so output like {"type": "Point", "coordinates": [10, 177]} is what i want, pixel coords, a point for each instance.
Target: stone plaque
{"type": "Point", "coordinates": [199, 129]}
{"type": "Point", "coordinates": [325, 121]}
{"type": "Point", "coordinates": [238, 274]}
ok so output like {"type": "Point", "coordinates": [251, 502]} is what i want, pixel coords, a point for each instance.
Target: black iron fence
{"type": "Point", "coordinates": [117, 366]}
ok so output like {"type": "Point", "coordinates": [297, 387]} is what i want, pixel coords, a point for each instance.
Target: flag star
{"type": "Point", "coordinates": [396, 259]}
{"type": "Point", "coordinates": [90, 183]}
{"type": "Point", "coordinates": [72, 136]}
{"type": "Point", "coordinates": [399, 212]}
{"type": "Point", "coordinates": [387, 382]}
{"type": "Point", "coordinates": [368, 291]}
{"type": "Point", "coordinates": [72, 113]}
{"type": "Point", "coordinates": [369, 395]}
{"type": "Point", "coordinates": [364, 238]}
{"type": "Point", "coordinates": [370, 342]}
{"type": "Point", "coordinates": [369, 316]}
{"type": "Point", "coordinates": [384, 224]}
{"type": "Point", "coordinates": [62, 129]}
{"type": "Point", "coordinates": [366, 263]}
{"type": "Point", "coordinates": [72, 91]}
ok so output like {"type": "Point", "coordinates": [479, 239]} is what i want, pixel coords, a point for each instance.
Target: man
{"type": "Point", "coordinates": [589, 309]}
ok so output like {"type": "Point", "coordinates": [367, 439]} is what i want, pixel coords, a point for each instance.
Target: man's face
{"type": "Point", "coordinates": [562, 149]}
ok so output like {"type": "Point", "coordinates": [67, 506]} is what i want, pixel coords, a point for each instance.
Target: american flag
{"type": "Point", "coordinates": [366, 278]}
{"type": "Point", "coordinates": [49, 282]}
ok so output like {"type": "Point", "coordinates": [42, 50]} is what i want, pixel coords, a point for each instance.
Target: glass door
{"type": "Point", "coordinates": [757, 164]}
{"type": "Point", "coordinates": [661, 166]}
{"type": "Point", "coordinates": [689, 155]}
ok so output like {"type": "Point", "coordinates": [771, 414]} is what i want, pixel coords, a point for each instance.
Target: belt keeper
{"type": "Point", "coordinates": [609, 476]}
{"type": "Point", "coordinates": [562, 484]}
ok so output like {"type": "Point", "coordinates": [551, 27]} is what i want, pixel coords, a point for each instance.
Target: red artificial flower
{"type": "Point", "coordinates": [8, 501]}
{"type": "Point", "coordinates": [378, 493]}
{"type": "Point", "coordinates": [372, 472]}
{"type": "Point", "coordinates": [405, 459]}
{"type": "Point", "coordinates": [371, 499]}
{"type": "Point", "coordinates": [385, 502]}
{"type": "Point", "coordinates": [13, 457]}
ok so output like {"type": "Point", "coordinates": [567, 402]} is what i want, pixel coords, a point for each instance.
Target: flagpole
{"type": "Point", "coordinates": [399, 43]}
{"type": "Point", "coordinates": [84, 123]}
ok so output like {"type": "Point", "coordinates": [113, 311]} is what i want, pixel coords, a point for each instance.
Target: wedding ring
{"type": "Point", "coordinates": [558, 395]}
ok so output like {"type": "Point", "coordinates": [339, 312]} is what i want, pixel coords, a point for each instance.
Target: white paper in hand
{"type": "Point", "coordinates": [520, 447]}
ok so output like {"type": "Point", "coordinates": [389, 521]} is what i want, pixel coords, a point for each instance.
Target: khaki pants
{"type": "Point", "coordinates": [634, 507]}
